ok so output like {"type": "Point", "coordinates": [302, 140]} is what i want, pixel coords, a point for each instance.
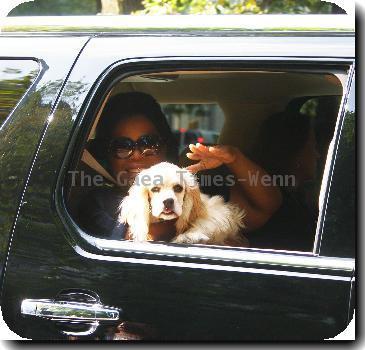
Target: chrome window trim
{"type": "Point", "coordinates": [330, 163]}
{"type": "Point", "coordinates": [227, 254]}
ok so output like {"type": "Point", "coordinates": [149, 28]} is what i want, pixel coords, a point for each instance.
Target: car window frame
{"type": "Point", "coordinates": [103, 248]}
{"type": "Point", "coordinates": [330, 168]}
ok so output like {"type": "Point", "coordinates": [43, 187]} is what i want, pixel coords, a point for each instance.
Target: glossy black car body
{"type": "Point", "coordinates": [185, 293]}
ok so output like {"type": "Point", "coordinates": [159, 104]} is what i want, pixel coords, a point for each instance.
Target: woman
{"type": "Point", "coordinates": [134, 134]}
{"type": "Point", "coordinates": [288, 152]}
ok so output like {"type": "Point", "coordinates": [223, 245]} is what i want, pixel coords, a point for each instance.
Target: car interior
{"type": "Point", "coordinates": [228, 107]}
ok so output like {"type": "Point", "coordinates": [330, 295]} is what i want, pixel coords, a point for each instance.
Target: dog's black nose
{"type": "Point", "coordinates": [168, 203]}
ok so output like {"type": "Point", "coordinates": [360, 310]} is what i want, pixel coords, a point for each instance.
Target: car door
{"type": "Point", "coordinates": [61, 283]}
{"type": "Point", "coordinates": [32, 73]}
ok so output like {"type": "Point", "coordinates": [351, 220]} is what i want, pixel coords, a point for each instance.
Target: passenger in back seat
{"type": "Point", "coordinates": [287, 149]}
{"type": "Point", "coordinates": [133, 134]}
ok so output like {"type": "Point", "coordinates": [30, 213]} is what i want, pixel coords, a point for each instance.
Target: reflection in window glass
{"type": "Point", "coordinates": [15, 78]}
{"type": "Point", "coordinates": [192, 123]}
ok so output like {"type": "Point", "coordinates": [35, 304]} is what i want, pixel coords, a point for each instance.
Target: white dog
{"type": "Point", "coordinates": [166, 192]}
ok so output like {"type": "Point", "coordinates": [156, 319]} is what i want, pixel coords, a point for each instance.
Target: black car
{"type": "Point", "coordinates": [61, 282]}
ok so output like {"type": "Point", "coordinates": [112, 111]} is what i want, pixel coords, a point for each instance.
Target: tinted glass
{"type": "Point", "coordinates": [16, 76]}
{"type": "Point", "coordinates": [192, 123]}
{"type": "Point", "coordinates": [197, 114]}
{"type": "Point", "coordinates": [340, 228]}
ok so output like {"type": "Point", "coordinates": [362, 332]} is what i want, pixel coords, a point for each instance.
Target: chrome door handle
{"type": "Point", "coordinates": [58, 310]}
{"type": "Point", "coordinates": [72, 309]}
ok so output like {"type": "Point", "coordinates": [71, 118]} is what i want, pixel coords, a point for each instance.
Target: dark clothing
{"type": "Point", "coordinates": [292, 227]}
{"type": "Point", "coordinates": [215, 182]}
{"type": "Point", "coordinates": [98, 213]}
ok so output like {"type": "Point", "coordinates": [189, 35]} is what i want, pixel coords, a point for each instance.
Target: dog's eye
{"type": "Point", "coordinates": [178, 188]}
{"type": "Point", "coordinates": [155, 189]}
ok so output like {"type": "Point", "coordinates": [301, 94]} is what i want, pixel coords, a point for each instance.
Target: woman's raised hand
{"type": "Point", "coordinates": [210, 157]}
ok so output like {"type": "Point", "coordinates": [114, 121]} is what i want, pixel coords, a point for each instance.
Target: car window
{"type": "Point", "coordinates": [280, 136]}
{"type": "Point", "coordinates": [16, 76]}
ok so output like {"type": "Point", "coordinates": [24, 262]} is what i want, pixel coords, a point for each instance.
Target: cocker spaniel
{"type": "Point", "coordinates": [166, 192]}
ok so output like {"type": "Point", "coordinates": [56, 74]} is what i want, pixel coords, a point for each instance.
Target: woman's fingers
{"type": "Point", "coordinates": [197, 151]}
{"type": "Point", "coordinates": [216, 149]}
{"type": "Point", "coordinates": [210, 156]}
{"type": "Point", "coordinates": [212, 150]}
{"type": "Point", "coordinates": [194, 156]}
{"type": "Point", "coordinates": [192, 147]}
{"type": "Point", "coordinates": [219, 152]}
{"type": "Point", "coordinates": [224, 153]}
{"type": "Point", "coordinates": [195, 167]}
{"type": "Point", "coordinates": [202, 149]}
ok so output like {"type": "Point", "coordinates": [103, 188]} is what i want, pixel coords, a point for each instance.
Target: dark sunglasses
{"type": "Point", "coordinates": [148, 145]}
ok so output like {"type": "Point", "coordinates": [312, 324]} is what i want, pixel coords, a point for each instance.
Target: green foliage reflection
{"type": "Point", "coordinates": [15, 79]}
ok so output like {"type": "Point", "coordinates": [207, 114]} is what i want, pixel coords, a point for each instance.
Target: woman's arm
{"type": "Point", "coordinates": [260, 199]}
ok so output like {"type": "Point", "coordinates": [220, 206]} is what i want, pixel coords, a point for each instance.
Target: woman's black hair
{"type": "Point", "coordinates": [129, 104]}
{"type": "Point", "coordinates": [282, 136]}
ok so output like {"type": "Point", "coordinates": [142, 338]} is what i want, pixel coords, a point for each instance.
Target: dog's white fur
{"type": "Point", "coordinates": [200, 218]}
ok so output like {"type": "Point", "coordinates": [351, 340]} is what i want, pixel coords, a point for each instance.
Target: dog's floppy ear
{"type": "Point", "coordinates": [193, 206]}
{"type": "Point", "coordinates": [135, 211]}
